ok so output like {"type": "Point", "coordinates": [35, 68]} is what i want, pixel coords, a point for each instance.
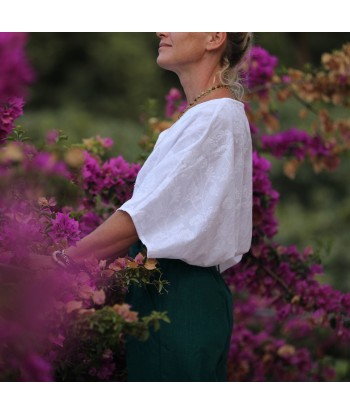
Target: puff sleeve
{"type": "Point", "coordinates": [193, 196]}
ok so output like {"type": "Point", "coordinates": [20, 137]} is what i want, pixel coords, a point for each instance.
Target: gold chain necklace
{"type": "Point", "coordinates": [201, 95]}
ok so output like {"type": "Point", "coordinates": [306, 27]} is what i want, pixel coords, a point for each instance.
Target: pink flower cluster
{"type": "Point", "coordinates": [259, 360]}
{"type": "Point", "coordinates": [260, 357]}
{"type": "Point", "coordinates": [38, 307]}
{"type": "Point", "coordinates": [16, 72]}
{"type": "Point", "coordinates": [265, 200]}
{"type": "Point", "coordinates": [261, 68]}
{"type": "Point", "coordinates": [33, 161]}
{"type": "Point", "coordinates": [15, 76]}
{"type": "Point", "coordinates": [174, 102]}
{"type": "Point", "coordinates": [113, 179]}
{"type": "Point", "coordinates": [9, 112]}
{"type": "Point", "coordinates": [281, 298]}
{"type": "Point", "coordinates": [20, 355]}
{"type": "Point", "coordinates": [298, 144]}
{"type": "Point", "coordinates": [282, 290]}
{"type": "Point", "coordinates": [26, 298]}
{"type": "Point", "coordinates": [65, 229]}
{"type": "Point", "coordinates": [47, 163]}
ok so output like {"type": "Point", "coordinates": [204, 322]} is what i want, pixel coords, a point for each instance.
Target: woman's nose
{"type": "Point", "coordinates": [161, 34]}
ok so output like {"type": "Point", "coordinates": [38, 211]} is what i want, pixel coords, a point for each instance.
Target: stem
{"type": "Point", "coordinates": [306, 104]}
{"type": "Point", "coordinates": [279, 86]}
{"type": "Point", "coordinates": [279, 280]}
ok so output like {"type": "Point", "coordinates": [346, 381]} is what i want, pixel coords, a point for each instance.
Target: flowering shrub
{"type": "Point", "coordinates": [285, 318]}
{"type": "Point", "coordinates": [318, 91]}
{"type": "Point", "coordinates": [9, 112]}
{"type": "Point", "coordinates": [16, 72]}
{"type": "Point", "coordinates": [56, 325]}
{"type": "Point", "coordinates": [15, 75]}
{"type": "Point", "coordinates": [261, 70]}
{"type": "Point", "coordinates": [109, 182]}
{"type": "Point", "coordinates": [43, 311]}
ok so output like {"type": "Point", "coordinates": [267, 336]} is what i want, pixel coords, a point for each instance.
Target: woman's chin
{"type": "Point", "coordinates": [163, 63]}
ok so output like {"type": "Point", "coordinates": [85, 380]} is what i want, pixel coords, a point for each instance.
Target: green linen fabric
{"type": "Point", "coordinates": [194, 346]}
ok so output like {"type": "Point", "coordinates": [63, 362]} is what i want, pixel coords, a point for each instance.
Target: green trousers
{"type": "Point", "coordinates": [195, 345]}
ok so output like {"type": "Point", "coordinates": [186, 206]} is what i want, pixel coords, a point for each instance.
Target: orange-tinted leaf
{"type": "Point", "coordinates": [74, 157]}
{"type": "Point", "coordinates": [108, 273]}
{"type": "Point", "coordinates": [99, 297]}
{"type": "Point", "coordinates": [11, 152]}
{"type": "Point", "coordinates": [286, 350]}
{"type": "Point", "coordinates": [303, 113]}
{"type": "Point", "coordinates": [151, 264]}
{"type": "Point", "coordinates": [124, 311]}
{"type": "Point", "coordinates": [296, 299]}
{"type": "Point", "coordinates": [290, 168]}
{"type": "Point", "coordinates": [73, 305]}
{"type": "Point", "coordinates": [133, 264]}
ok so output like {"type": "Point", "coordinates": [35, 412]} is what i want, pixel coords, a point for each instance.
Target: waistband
{"type": "Point", "coordinates": [139, 247]}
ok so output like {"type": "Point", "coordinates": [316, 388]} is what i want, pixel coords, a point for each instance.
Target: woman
{"type": "Point", "coordinates": [192, 209]}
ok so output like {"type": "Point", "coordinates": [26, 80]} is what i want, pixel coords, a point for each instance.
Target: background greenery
{"type": "Point", "coordinates": [104, 83]}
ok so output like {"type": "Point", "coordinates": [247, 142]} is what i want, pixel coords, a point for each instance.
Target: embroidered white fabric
{"type": "Point", "coordinates": [193, 196]}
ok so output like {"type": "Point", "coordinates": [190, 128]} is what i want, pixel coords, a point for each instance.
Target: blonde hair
{"type": "Point", "coordinates": [237, 46]}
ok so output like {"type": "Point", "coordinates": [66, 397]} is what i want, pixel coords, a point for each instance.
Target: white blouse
{"type": "Point", "coordinates": [193, 196]}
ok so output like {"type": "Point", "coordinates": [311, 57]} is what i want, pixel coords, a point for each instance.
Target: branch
{"type": "Point", "coordinates": [280, 281]}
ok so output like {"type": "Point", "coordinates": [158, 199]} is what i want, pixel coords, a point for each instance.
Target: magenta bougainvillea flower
{"type": "Point", "coordinates": [9, 112]}
{"type": "Point", "coordinates": [174, 102]}
{"type": "Point", "coordinates": [16, 73]}
{"type": "Point", "coordinates": [65, 228]}
{"type": "Point", "coordinates": [296, 143]}
{"type": "Point", "coordinates": [261, 68]}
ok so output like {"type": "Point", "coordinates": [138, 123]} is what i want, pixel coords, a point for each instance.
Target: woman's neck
{"type": "Point", "coordinates": [196, 82]}
{"type": "Point", "coordinates": [201, 90]}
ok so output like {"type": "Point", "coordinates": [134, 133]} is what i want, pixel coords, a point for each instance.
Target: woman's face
{"type": "Point", "coordinates": [180, 49]}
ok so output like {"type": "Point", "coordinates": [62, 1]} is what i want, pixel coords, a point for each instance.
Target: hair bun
{"type": "Point", "coordinates": [237, 46]}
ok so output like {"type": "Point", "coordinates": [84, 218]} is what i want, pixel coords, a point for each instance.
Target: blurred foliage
{"type": "Point", "coordinates": [95, 83]}
{"type": "Point", "coordinates": [314, 210]}
{"type": "Point", "coordinates": [103, 73]}
{"type": "Point", "coordinates": [297, 49]}
{"type": "Point", "coordinates": [79, 124]}
{"type": "Point", "coordinates": [104, 83]}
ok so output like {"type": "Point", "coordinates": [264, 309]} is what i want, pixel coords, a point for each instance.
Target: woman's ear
{"type": "Point", "coordinates": [216, 40]}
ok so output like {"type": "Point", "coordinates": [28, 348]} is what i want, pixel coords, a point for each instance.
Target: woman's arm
{"type": "Point", "coordinates": [112, 238]}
